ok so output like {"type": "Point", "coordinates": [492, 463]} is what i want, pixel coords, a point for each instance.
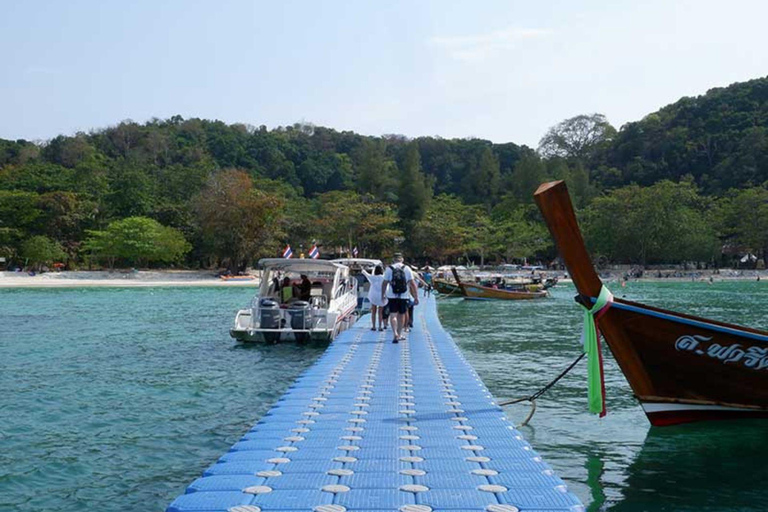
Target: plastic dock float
{"type": "Point", "coordinates": [375, 426]}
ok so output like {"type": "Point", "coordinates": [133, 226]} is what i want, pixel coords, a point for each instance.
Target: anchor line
{"type": "Point", "coordinates": [532, 398]}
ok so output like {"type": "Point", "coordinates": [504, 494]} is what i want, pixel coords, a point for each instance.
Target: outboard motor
{"type": "Point", "coordinates": [301, 318]}
{"type": "Point", "coordinates": [269, 319]}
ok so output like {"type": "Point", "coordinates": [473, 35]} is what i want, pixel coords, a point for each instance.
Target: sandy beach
{"type": "Point", "coordinates": [117, 278]}
{"type": "Point", "coordinates": [148, 278]}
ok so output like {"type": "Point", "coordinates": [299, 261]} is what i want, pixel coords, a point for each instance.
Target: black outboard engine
{"type": "Point", "coordinates": [301, 318]}
{"type": "Point", "coordinates": [269, 319]}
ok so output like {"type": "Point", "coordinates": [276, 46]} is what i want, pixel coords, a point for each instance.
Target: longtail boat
{"type": "Point", "coordinates": [681, 368]}
{"type": "Point", "coordinates": [447, 287]}
{"type": "Point", "coordinates": [479, 292]}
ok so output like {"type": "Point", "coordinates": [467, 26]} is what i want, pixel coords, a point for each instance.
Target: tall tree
{"type": "Point", "coordinates": [578, 138]}
{"type": "Point", "coordinates": [237, 221]}
{"type": "Point", "coordinates": [415, 189]}
{"type": "Point", "coordinates": [665, 223]}
{"type": "Point", "coordinates": [483, 181]}
{"type": "Point", "coordinates": [527, 175]}
{"type": "Point", "coordinates": [743, 219]}
{"type": "Point", "coordinates": [375, 170]}
{"type": "Point", "coordinates": [347, 219]}
{"type": "Point", "coordinates": [137, 240]}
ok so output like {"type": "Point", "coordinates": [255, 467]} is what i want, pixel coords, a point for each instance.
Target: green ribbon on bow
{"type": "Point", "coordinates": [590, 336]}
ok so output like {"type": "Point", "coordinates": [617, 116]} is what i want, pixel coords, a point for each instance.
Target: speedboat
{"type": "Point", "coordinates": [319, 315]}
{"type": "Point", "coordinates": [356, 267]}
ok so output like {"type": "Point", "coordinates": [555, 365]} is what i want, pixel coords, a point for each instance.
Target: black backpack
{"type": "Point", "coordinates": [399, 284]}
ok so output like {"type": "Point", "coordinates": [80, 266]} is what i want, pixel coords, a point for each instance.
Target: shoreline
{"type": "Point", "coordinates": [192, 278]}
{"type": "Point", "coordinates": [117, 279]}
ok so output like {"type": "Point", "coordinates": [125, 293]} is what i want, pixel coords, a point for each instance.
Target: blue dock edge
{"type": "Point", "coordinates": [375, 426]}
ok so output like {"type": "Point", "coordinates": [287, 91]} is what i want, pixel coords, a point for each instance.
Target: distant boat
{"type": "Point", "coordinates": [237, 278]}
{"type": "Point", "coordinates": [681, 368]}
{"type": "Point", "coordinates": [327, 310]}
{"type": "Point", "coordinates": [480, 292]}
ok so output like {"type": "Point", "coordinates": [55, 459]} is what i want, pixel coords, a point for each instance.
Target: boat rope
{"type": "Point", "coordinates": [446, 295]}
{"type": "Point", "coordinates": [532, 398]}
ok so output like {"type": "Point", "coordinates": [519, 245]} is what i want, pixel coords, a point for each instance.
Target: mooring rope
{"type": "Point", "coordinates": [532, 398]}
{"type": "Point", "coordinates": [446, 295]}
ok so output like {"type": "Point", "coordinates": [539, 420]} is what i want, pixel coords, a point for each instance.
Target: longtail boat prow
{"type": "Point", "coordinates": [681, 368]}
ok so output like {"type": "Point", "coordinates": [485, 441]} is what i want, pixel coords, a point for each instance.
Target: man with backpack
{"type": "Point", "coordinates": [397, 286]}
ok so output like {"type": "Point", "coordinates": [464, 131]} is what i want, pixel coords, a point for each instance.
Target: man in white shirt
{"type": "Point", "coordinates": [398, 284]}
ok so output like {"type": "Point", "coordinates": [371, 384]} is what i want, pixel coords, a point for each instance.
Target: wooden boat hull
{"type": "Point", "coordinates": [446, 287]}
{"type": "Point", "coordinates": [473, 291]}
{"type": "Point", "coordinates": [681, 368]}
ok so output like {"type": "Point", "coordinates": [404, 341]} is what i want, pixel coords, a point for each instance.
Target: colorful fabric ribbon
{"type": "Point", "coordinates": [591, 342]}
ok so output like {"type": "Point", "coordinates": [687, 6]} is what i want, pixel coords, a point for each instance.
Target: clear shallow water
{"type": "Point", "coordinates": [116, 399]}
{"type": "Point", "coordinates": [618, 463]}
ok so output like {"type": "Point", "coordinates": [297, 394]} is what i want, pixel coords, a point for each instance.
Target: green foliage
{"type": "Point", "coordinates": [375, 171]}
{"type": "Point", "coordinates": [665, 223]}
{"type": "Point", "coordinates": [528, 174]}
{"type": "Point", "coordinates": [518, 231]}
{"type": "Point", "coordinates": [445, 230]}
{"type": "Point", "coordinates": [238, 223]}
{"type": "Point", "coordinates": [580, 138]}
{"type": "Point", "coordinates": [482, 182]}
{"type": "Point", "coordinates": [718, 138]}
{"type": "Point", "coordinates": [137, 240]}
{"type": "Point", "coordinates": [743, 220]}
{"type": "Point", "coordinates": [168, 170]}
{"type": "Point", "coordinates": [41, 250]}
{"type": "Point", "coordinates": [348, 219]}
{"type": "Point", "coordinates": [18, 210]}
{"type": "Point", "coordinates": [415, 189]}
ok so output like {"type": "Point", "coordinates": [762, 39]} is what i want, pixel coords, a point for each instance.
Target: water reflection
{"type": "Point", "coordinates": [618, 462]}
{"type": "Point", "coordinates": [713, 466]}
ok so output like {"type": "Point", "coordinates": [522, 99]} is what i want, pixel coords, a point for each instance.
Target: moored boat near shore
{"type": "Point", "coordinates": [479, 292]}
{"type": "Point", "coordinates": [681, 368]}
{"type": "Point", "coordinates": [446, 287]}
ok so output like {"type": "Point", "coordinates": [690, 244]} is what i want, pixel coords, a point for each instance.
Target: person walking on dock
{"type": "Point", "coordinates": [398, 284]}
{"type": "Point", "coordinates": [376, 297]}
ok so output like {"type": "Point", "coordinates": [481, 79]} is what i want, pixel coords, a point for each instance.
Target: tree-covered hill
{"type": "Point", "coordinates": [719, 138]}
{"type": "Point", "coordinates": [204, 193]}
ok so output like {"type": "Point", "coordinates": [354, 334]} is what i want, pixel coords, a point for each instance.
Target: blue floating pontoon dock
{"type": "Point", "coordinates": [375, 426]}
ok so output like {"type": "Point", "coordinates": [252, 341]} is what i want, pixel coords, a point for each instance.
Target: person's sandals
{"type": "Point", "coordinates": [396, 340]}
{"type": "Point", "coordinates": [381, 328]}
{"type": "Point", "coordinates": [373, 328]}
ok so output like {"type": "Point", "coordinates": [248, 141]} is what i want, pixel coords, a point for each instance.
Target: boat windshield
{"type": "Point", "coordinates": [285, 285]}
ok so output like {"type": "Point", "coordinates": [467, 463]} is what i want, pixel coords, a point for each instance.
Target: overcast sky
{"type": "Point", "coordinates": [499, 70]}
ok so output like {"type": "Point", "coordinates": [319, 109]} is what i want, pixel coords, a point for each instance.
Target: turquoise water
{"type": "Point", "coordinates": [116, 399]}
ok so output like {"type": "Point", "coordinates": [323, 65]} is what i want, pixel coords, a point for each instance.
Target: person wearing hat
{"type": "Point", "coordinates": [398, 284]}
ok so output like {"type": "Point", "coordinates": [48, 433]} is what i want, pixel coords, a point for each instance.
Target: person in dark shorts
{"type": "Point", "coordinates": [398, 286]}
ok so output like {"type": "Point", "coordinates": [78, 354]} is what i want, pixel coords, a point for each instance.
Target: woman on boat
{"type": "Point", "coordinates": [374, 295]}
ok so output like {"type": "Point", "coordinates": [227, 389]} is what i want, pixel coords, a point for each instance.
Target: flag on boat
{"type": "Point", "coordinates": [314, 253]}
{"type": "Point", "coordinates": [354, 252]}
{"type": "Point", "coordinates": [287, 253]}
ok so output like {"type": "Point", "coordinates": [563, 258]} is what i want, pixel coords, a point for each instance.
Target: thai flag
{"type": "Point", "coordinates": [314, 253]}
{"type": "Point", "coordinates": [354, 252]}
{"type": "Point", "coordinates": [287, 253]}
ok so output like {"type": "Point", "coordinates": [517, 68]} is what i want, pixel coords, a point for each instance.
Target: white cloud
{"type": "Point", "coordinates": [480, 46]}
